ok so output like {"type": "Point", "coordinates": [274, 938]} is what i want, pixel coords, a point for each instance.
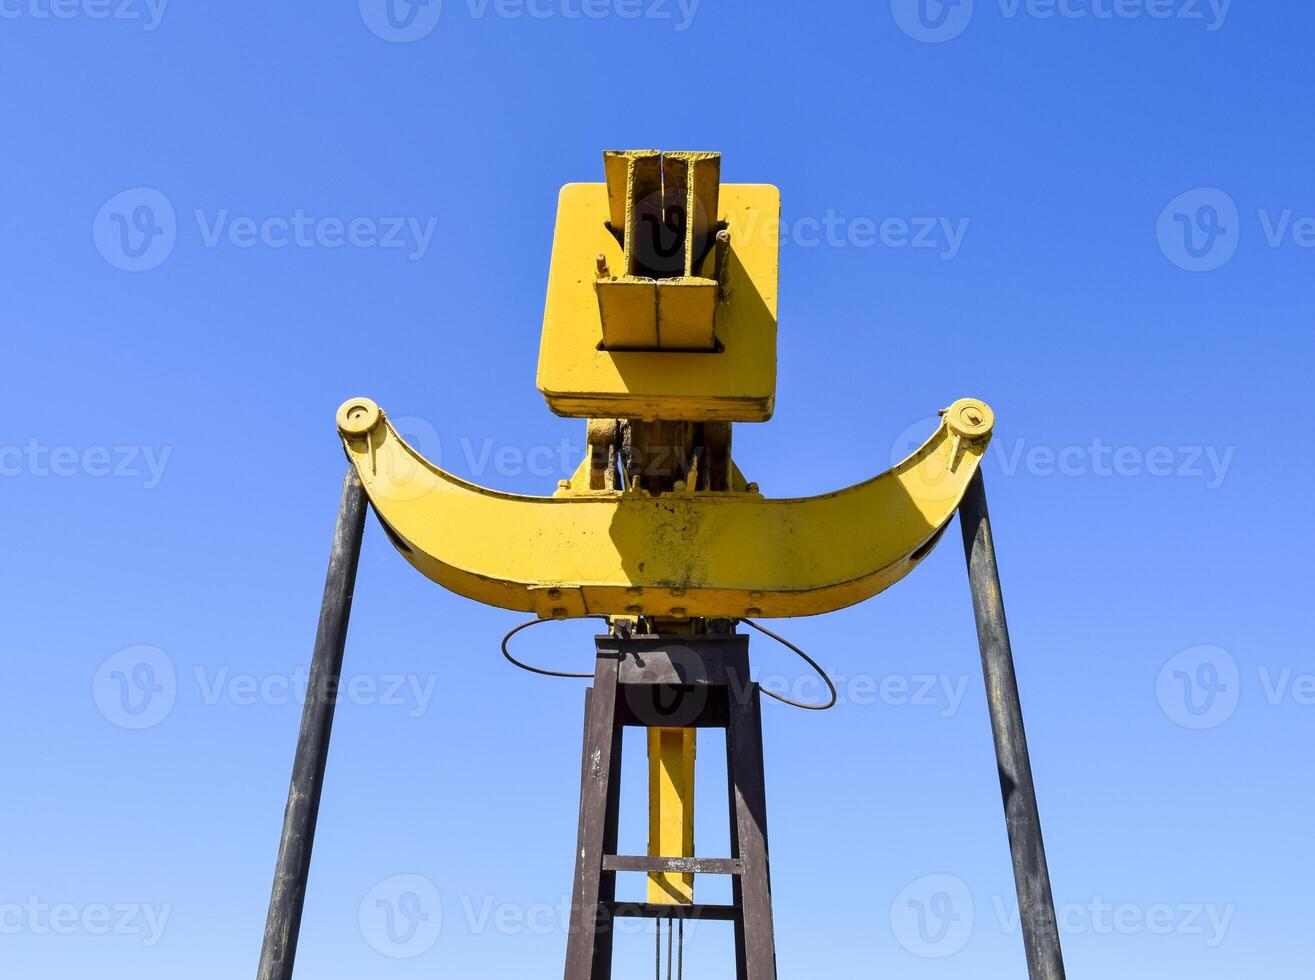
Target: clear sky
{"type": "Point", "coordinates": [220, 220]}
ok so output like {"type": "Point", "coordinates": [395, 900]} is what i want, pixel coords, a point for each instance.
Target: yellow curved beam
{"type": "Point", "coordinates": [679, 554]}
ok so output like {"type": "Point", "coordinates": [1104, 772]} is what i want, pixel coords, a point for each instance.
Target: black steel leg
{"type": "Point", "coordinates": [1045, 960]}
{"type": "Point", "coordinates": [589, 940]}
{"type": "Point", "coordinates": [607, 880]}
{"type": "Point", "coordinates": [289, 894]}
{"type": "Point", "coordinates": [754, 939]}
{"type": "Point", "coordinates": [737, 892]}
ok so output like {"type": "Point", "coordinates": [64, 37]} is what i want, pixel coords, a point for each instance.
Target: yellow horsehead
{"type": "Point", "coordinates": [660, 328]}
{"type": "Point", "coordinates": [660, 331]}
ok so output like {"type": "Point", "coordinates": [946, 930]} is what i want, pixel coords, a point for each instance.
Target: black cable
{"type": "Point", "coordinates": [749, 622]}
{"type": "Point", "coordinates": [808, 660]}
{"type": "Point", "coordinates": [680, 950]}
{"type": "Point", "coordinates": [539, 670]}
{"type": "Point", "coordinates": [670, 932]}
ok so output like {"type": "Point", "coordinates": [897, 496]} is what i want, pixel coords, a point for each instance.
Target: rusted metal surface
{"type": "Point", "coordinates": [682, 865]}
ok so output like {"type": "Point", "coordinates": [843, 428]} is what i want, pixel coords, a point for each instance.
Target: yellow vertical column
{"type": "Point", "coordinates": [671, 810]}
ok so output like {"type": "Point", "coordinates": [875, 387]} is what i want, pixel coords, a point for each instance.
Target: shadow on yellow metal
{"type": "Point", "coordinates": [680, 554]}
{"type": "Point", "coordinates": [671, 810]}
{"type": "Point", "coordinates": [581, 377]}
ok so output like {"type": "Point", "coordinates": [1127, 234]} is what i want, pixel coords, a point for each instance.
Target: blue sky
{"type": "Point", "coordinates": [221, 220]}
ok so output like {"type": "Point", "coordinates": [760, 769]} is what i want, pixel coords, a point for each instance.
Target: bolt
{"type": "Point", "coordinates": [601, 263]}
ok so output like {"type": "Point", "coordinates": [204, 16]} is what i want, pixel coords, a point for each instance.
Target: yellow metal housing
{"type": "Point", "coordinates": [695, 339]}
{"type": "Point", "coordinates": [679, 554]}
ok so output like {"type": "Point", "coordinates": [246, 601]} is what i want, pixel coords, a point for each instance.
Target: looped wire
{"type": "Point", "coordinates": [808, 660]}
{"type": "Point", "coordinates": [541, 670]}
{"type": "Point", "coordinates": [748, 622]}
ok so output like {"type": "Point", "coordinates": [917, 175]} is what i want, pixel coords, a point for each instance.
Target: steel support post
{"type": "Point", "coordinates": [1036, 905]}
{"type": "Point", "coordinates": [289, 893]}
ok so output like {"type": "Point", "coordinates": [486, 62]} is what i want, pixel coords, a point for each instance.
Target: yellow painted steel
{"type": "Point", "coordinates": [671, 810]}
{"type": "Point", "coordinates": [660, 328]}
{"type": "Point", "coordinates": [590, 319]}
{"type": "Point", "coordinates": [681, 554]}
{"type": "Point", "coordinates": [666, 208]}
